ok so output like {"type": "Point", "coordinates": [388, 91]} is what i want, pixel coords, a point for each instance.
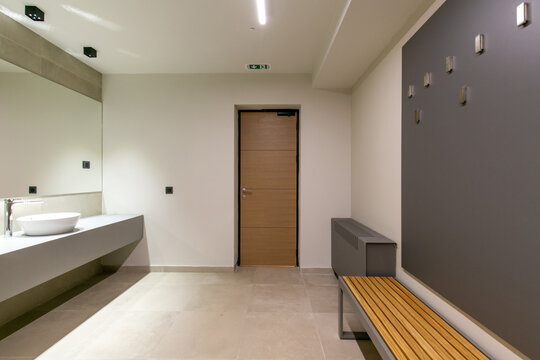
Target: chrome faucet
{"type": "Point", "coordinates": [8, 215]}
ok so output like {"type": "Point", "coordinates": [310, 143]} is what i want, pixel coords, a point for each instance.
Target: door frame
{"type": "Point", "coordinates": [239, 111]}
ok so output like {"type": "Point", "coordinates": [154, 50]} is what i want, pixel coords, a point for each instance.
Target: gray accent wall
{"type": "Point", "coordinates": [471, 174]}
{"type": "Point", "coordinates": [26, 49]}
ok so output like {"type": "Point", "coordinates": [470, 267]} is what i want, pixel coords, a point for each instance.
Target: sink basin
{"type": "Point", "coordinates": [49, 224]}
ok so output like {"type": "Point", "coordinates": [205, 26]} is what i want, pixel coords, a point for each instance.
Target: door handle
{"type": "Point", "coordinates": [246, 191]}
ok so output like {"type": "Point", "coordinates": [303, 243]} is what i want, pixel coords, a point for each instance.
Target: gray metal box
{"type": "Point", "coordinates": [358, 250]}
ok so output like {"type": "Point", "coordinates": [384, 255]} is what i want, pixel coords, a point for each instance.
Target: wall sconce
{"type": "Point", "coordinates": [479, 46]}
{"type": "Point", "coordinates": [450, 64]}
{"type": "Point", "coordinates": [522, 14]}
{"type": "Point", "coordinates": [463, 95]}
{"type": "Point", "coordinates": [427, 79]}
{"type": "Point", "coordinates": [417, 116]}
{"type": "Point", "coordinates": [410, 91]}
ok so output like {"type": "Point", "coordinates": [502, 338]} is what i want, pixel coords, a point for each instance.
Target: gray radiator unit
{"type": "Point", "coordinates": [358, 250]}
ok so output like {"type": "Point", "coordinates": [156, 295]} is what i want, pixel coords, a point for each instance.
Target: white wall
{"type": "Point", "coordinates": [376, 175]}
{"type": "Point", "coordinates": [179, 130]}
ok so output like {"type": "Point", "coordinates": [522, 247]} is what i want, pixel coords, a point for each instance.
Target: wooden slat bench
{"type": "Point", "coordinates": [399, 324]}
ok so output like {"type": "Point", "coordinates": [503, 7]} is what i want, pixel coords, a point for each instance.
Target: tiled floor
{"type": "Point", "coordinates": [254, 313]}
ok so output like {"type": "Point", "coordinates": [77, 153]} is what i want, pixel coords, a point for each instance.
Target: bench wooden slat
{"type": "Point", "coordinates": [378, 323]}
{"type": "Point", "coordinates": [409, 328]}
{"type": "Point", "coordinates": [459, 342]}
{"type": "Point", "coordinates": [441, 345]}
{"type": "Point", "coordinates": [409, 348]}
{"type": "Point", "coordinates": [429, 345]}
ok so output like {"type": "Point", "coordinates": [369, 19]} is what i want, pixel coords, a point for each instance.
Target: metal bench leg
{"type": "Point", "coordinates": [347, 335]}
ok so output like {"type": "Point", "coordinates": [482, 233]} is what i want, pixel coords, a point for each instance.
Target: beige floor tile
{"type": "Point", "coordinates": [164, 297]}
{"type": "Point", "coordinates": [320, 279]}
{"type": "Point", "coordinates": [280, 298]}
{"type": "Point", "coordinates": [264, 275]}
{"type": "Point", "coordinates": [337, 349]}
{"type": "Point", "coordinates": [241, 276]}
{"type": "Point", "coordinates": [130, 335]}
{"type": "Point", "coordinates": [128, 300]}
{"type": "Point", "coordinates": [96, 297]}
{"type": "Point", "coordinates": [130, 277]}
{"type": "Point", "coordinates": [220, 298]}
{"type": "Point", "coordinates": [202, 335]}
{"type": "Point", "coordinates": [40, 335]}
{"type": "Point", "coordinates": [280, 336]}
{"type": "Point", "coordinates": [68, 347]}
{"type": "Point", "coordinates": [184, 278]}
{"type": "Point", "coordinates": [324, 299]}
{"type": "Point", "coordinates": [254, 313]}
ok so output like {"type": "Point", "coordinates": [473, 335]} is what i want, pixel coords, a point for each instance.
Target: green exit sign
{"type": "Point", "coordinates": [258, 66]}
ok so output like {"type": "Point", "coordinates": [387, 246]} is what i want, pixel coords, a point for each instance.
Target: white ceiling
{"type": "Point", "coordinates": [221, 36]}
{"type": "Point", "coordinates": [366, 28]}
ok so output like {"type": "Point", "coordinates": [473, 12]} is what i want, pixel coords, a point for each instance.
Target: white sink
{"type": "Point", "coordinates": [49, 224]}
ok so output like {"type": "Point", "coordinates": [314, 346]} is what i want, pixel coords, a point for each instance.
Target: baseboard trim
{"type": "Point", "coordinates": [169, 268]}
{"type": "Point", "coordinates": [325, 271]}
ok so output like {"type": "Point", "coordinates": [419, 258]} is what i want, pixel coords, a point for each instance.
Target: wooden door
{"type": "Point", "coordinates": [268, 188]}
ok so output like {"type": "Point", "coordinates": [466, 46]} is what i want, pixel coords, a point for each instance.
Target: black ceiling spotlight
{"type": "Point", "coordinates": [90, 52]}
{"type": "Point", "coordinates": [34, 13]}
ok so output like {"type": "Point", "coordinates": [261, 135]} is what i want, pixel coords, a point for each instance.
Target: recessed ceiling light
{"type": "Point", "coordinates": [90, 52]}
{"type": "Point", "coordinates": [34, 13]}
{"type": "Point", "coordinates": [261, 11]}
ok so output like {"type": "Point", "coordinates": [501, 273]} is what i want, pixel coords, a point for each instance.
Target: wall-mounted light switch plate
{"type": "Point", "coordinates": [463, 95]}
{"type": "Point", "coordinates": [417, 116]}
{"type": "Point", "coordinates": [168, 190]}
{"type": "Point", "coordinates": [86, 164]}
{"type": "Point", "coordinates": [522, 14]}
{"type": "Point", "coordinates": [479, 46]}
{"type": "Point", "coordinates": [427, 79]}
{"type": "Point", "coordinates": [410, 91]}
{"type": "Point", "coordinates": [32, 189]}
{"type": "Point", "coordinates": [450, 63]}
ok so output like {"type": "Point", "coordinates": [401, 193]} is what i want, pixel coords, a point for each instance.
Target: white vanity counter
{"type": "Point", "coordinates": [27, 261]}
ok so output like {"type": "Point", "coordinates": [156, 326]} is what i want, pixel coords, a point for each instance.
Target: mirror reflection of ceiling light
{"type": "Point", "coordinates": [261, 11]}
{"type": "Point", "coordinates": [92, 18]}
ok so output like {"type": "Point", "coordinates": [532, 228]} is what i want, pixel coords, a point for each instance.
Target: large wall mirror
{"type": "Point", "coordinates": [47, 132]}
